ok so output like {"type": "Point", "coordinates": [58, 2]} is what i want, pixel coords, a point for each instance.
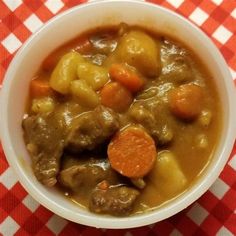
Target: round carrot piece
{"type": "Point", "coordinates": [115, 96]}
{"type": "Point", "coordinates": [132, 152]}
{"type": "Point", "coordinates": [126, 77]}
{"type": "Point", "coordinates": [186, 101]}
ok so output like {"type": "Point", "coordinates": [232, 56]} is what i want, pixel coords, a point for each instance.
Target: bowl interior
{"type": "Point", "coordinates": [69, 25]}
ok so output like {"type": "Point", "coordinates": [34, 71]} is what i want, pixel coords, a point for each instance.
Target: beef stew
{"type": "Point", "coordinates": [121, 119]}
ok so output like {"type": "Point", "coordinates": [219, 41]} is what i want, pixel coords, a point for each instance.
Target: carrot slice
{"type": "Point", "coordinates": [132, 152]}
{"type": "Point", "coordinates": [40, 88]}
{"type": "Point", "coordinates": [126, 77]}
{"type": "Point", "coordinates": [186, 101]}
{"type": "Point", "coordinates": [115, 96]}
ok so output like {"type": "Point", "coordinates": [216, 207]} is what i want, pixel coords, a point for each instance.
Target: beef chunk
{"type": "Point", "coordinates": [177, 70]}
{"type": "Point", "coordinates": [160, 131]}
{"type": "Point", "coordinates": [45, 141]}
{"type": "Point", "coordinates": [176, 64]}
{"type": "Point", "coordinates": [77, 175]}
{"type": "Point", "coordinates": [80, 174]}
{"type": "Point", "coordinates": [91, 129]}
{"type": "Point", "coordinates": [117, 200]}
{"type": "Point", "coordinates": [103, 43]}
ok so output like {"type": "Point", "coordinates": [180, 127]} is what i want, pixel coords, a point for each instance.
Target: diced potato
{"type": "Point", "coordinates": [84, 94]}
{"type": "Point", "coordinates": [141, 51]}
{"type": "Point", "coordinates": [167, 171]}
{"type": "Point", "coordinates": [141, 115]}
{"type": "Point", "coordinates": [202, 141]}
{"type": "Point", "coordinates": [65, 72]}
{"type": "Point", "coordinates": [95, 76]}
{"type": "Point", "coordinates": [205, 117]}
{"type": "Point", "coordinates": [43, 105]}
{"type": "Point", "coordinates": [32, 148]}
{"type": "Point", "coordinates": [139, 183]}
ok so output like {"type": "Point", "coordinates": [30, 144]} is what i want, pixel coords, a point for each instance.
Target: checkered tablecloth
{"type": "Point", "coordinates": [213, 214]}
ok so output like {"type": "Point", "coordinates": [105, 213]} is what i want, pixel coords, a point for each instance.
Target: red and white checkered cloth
{"type": "Point", "coordinates": [213, 214]}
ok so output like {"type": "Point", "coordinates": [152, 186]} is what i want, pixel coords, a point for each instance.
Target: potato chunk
{"type": "Point", "coordinates": [65, 72]}
{"type": "Point", "coordinates": [141, 51]}
{"type": "Point", "coordinates": [95, 76]}
{"type": "Point", "coordinates": [205, 118]}
{"type": "Point", "coordinates": [167, 170]}
{"type": "Point", "coordinates": [84, 94]}
{"type": "Point", "coordinates": [43, 105]}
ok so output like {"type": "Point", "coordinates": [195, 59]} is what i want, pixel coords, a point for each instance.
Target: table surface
{"type": "Point", "coordinates": [213, 214]}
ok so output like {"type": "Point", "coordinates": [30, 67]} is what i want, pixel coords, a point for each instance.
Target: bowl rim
{"type": "Point", "coordinates": [134, 220]}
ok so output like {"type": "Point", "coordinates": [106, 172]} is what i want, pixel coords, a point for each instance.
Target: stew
{"type": "Point", "coordinates": [121, 119]}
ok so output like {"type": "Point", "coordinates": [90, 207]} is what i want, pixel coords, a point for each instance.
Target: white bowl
{"type": "Point", "coordinates": [70, 24]}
